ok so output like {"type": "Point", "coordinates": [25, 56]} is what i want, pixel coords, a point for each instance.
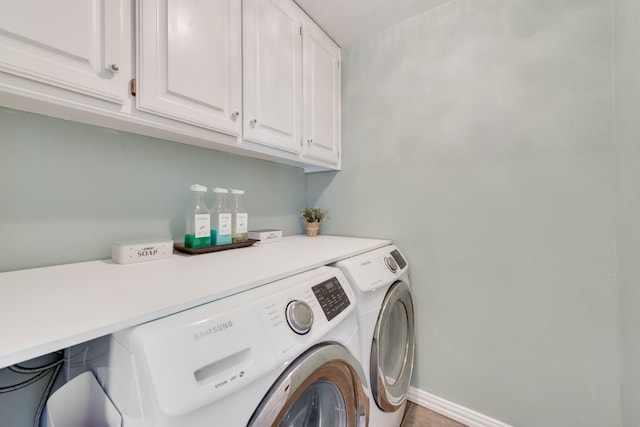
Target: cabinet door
{"type": "Point", "coordinates": [321, 99]}
{"type": "Point", "coordinates": [272, 73]}
{"type": "Point", "coordinates": [78, 45]}
{"type": "Point", "coordinates": [189, 61]}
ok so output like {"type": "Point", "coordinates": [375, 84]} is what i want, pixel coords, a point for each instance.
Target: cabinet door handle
{"type": "Point", "coordinates": [310, 141]}
{"type": "Point", "coordinates": [114, 68]}
{"type": "Point", "coordinates": [235, 115]}
{"type": "Point", "coordinates": [253, 122]}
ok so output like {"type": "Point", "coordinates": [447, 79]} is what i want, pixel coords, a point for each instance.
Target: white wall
{"type": "Point", "coordinates": [627, 137]}
{"type": "Point", "coordinates": [478, 136]}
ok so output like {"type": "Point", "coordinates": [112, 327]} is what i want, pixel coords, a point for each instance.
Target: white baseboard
{"type": "Point", "coordinates": [452, 410]}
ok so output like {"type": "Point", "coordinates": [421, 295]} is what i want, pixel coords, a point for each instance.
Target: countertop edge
{"type": "Point", "coordinates": [32, 336]}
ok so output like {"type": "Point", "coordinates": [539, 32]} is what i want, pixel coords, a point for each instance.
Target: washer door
{"type": "Point", "coordinates": [323, 387]}
{"type": "Point", "coordinates": [392, 349]}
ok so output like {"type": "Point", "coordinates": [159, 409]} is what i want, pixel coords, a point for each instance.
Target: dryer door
{"type": "Point", "coordinates": [392, 349]}
{"type": "Point", "coordinates": [323, 387]}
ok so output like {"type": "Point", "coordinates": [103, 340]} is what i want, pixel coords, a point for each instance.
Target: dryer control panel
{"type": "Point", "coordinates": [399, 259]}
{"type": "Point", "coordinates": [376, 269]}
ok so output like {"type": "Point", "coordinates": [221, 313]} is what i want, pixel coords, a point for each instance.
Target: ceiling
{"type": "Point", "coordinates": [348, 20]}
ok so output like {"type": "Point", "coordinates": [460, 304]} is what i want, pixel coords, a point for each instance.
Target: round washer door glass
{"type": "Point", "coordinates": [322, 387]}
{"type": "Point", "coordinates": [321, 404]}
{"type": "Point", "coordinates": [392, 349]}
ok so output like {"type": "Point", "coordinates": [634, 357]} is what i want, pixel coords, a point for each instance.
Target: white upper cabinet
{"type": "Point", "coordinates": [272, 74]}
{"type": "Point", "coordinates": [189, 62]}
{"type": "Point", "coordinates": [321, 95]}
{"type": "Point", "coordinates": [253, 77]}
{"type": "Point", "coordinates": [78, 45]}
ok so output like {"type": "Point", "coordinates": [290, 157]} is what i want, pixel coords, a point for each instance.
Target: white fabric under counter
{"type": "Point", "coordinates": [50, 308]}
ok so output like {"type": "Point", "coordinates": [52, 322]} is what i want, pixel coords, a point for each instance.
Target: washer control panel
{"type": "Point", "coordinates": [306, 308]}
{"type": "Point", "coordinates": [331, 296]}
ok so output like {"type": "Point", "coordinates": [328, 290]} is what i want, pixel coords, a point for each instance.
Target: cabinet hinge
{"type": "Point", "coordinates": [301, 30]}
{"type": "Point", "coordinates": [133, 87]}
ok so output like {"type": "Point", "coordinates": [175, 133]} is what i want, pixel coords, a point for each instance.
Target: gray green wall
{"type": "Point", "coordinates": [478, 136]}
{"type": "Point", "coordinates": [627, 139]}
{"type": "Point", "coordinates": [68, 190]}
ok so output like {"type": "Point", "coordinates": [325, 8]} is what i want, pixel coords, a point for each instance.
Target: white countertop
{"type": "Point", "coordinates": [51, 308]}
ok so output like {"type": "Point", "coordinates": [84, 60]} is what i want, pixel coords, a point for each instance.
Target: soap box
{"type": "Point", "coordinates": [266, 236]}
{"type": "Point", "coordinates": [127, 252]}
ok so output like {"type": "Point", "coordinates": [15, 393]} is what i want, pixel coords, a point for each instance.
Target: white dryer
{"type": "Point", "coordinates": [386, 323]}
{"type": "Point", "coordinates": [283, 354]}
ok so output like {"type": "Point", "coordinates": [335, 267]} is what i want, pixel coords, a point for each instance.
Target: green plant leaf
{"type": "Point", "coordinates": [313, 214]}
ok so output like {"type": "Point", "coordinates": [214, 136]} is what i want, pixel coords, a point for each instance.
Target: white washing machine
{"type": "Point", "coordinates": [386, 321]}
{"type": "Point", "coordinates": [283, 354]}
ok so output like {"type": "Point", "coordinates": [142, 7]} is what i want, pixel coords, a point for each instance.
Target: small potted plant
{"type": "Point", "coordinates": [312, 219]}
